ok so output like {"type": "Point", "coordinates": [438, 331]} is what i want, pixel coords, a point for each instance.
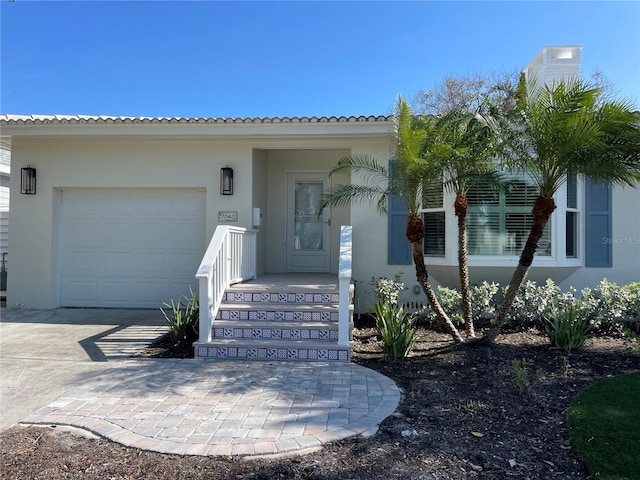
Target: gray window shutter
{"type": "Point", "coordinates": [598, 224]}
{"type": "Point", "coordinates": [398, 247]}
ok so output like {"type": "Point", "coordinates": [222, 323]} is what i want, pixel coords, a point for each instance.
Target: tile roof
{"type": "Point", "coordinates": [101, 119]}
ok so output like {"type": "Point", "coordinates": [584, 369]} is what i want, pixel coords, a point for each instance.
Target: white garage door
{"type": "Point", "coordinates": [129, 248]}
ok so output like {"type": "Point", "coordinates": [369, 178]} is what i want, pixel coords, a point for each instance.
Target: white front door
{"type": "Point", "coordinates": [308, 240]}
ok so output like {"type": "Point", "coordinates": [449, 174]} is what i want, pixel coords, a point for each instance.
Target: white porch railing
{"type": "Point", "coordinates": [344, 286]}
{"type": "Point", "coordinates": [230, 258]}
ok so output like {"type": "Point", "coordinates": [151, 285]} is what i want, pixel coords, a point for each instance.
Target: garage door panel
{"type": "Point", "coordinates": [116, 205]}
{"type": "Point", "coordinates": [82, 233]}
{"type": "Point", "coordinates": [151, 234]}
{"type": "Point", "coordinates": [152, 205]}
{"type": "Point", "coordinates": [184, 235]}
{"type": "Point", "coordinates": [82, 293]}
{"type": "Point", "coordinates": [115, 263]}
{"type": "Point", "coordinates": [81, 263]}
{"type": "Point", "coordinates": [154, 292]}
{"type": "Point", "coordinates": [129, 248]}
{"type": "Point", "coordinates": [80, 204]}
{"type": "Point", "coordinates": [116, 234]}
{"type": "Point", "coordinates": [184, 264]}
{"type": "Point", "coordinates": [150, 263]}
{"type": "Point", "coordinates": [115, 293]}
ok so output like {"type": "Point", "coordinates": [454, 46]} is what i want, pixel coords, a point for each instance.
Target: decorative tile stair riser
{"type": "Point", "coordinates": [258, 322]}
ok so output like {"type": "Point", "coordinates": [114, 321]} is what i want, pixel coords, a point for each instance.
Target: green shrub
{"type": "Point", "coordinates": [611, 309]}
{"type": "Point", "coordinates": [387, 290]}
{"type": "Point", "coordinates": [451, 303]}
{"type": "Point", "coordinates": [534, 303]}
{"type": "Point", "coordinates": [483, 305]}
{"type": "Point", "coordinates": [567, 329]}
{"type": "Point", "coordinates": [521, 373]}
{"type": "Point", "coordinates": [183, 316]}
{"type": "Point", "coordinates": [633, 307]}
{"type": "Point", "coordinates": [397, 333]}
{"type": "Point", "coordinates": [484, 301]}
{"type": "Point", "coordinates": [608, 309]}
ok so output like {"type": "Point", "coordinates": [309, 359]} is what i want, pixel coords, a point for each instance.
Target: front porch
{"type": "Point", "coordinates": [289, 316]}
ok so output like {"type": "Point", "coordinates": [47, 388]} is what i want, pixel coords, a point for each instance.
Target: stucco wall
{"type": "Point", "coordinates": [116, 163]}
{"type": "Point", "coordinates": [260, 188]}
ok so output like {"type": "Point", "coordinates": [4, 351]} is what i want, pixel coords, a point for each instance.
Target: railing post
{"type": "Point", "coordinates": [344, 285]}
{"type": "Point", "coordinates": [205, 320]}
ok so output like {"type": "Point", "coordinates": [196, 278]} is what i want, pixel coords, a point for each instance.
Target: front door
{"type": "Point", "coordinates": [308, 239]}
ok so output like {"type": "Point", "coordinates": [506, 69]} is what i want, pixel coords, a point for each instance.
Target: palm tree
{"type": "Point", "coordinates": [470, 112]}
{"type": "Point", "coordinates": [568, 129]}
{"type": "Point", "coordinates": [411, 173]}
{"type": "Point", "coordinates": [467, 149]}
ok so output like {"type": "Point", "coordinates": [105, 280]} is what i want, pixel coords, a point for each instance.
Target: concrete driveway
{"type": "Point", "coordinates": [69, 367]}
{"type": "Point", "coordinates": [44, 353]}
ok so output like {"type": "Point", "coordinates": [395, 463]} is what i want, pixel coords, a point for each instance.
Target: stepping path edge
{"type": "Point", "coordinates": [99, 400]}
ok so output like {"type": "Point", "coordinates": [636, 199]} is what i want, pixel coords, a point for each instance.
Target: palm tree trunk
{"type": "Point", "coordinates": [542, 210]}
{"type": "Point", "coordinates": [460, 207]}
{"type": "Point", "coordinates": [415, 234]}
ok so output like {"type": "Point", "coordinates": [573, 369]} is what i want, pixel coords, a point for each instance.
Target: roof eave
{"type": "Point", "coordinates": [192, 127]}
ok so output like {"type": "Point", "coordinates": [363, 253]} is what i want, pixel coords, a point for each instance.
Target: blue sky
{"type": "Point", "coordinates": [246, 59]}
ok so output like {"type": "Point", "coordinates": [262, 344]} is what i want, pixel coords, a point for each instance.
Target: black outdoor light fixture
{"type": "Point", "coordinates": [226, 181]}
{"type": "Point", "coordinates": [28, 181]}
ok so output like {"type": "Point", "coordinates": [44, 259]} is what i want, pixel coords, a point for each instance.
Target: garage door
{"type": "Point", "coordinates": [129, 248]}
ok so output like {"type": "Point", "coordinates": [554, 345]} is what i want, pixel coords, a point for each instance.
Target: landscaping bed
{"type": "Point", "coordinates": [465, 413]}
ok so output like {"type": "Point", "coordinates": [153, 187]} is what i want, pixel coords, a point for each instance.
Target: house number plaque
{"type": "Point", "coordinates": [227, 216]}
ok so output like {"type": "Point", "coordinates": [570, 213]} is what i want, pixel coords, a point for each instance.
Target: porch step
{"type": "Point", "coordinates": [278, 317]}
{"type": "Point", "coordinates": [278, 312]}
{"type": "Point", "coordinates": [266, 350]}
{"type": "Point", "coordinates": [283, 297]}
{"type": "Point", "coordinates": [276, 331]}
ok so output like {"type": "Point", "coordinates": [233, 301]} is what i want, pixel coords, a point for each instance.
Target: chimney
{"type": "Point", "coordinates": [555, 64]}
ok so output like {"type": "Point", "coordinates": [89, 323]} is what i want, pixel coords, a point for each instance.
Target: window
{"type": "Point", "coordinates": [572, 217]}
{"type": "Point", "coordinates": [498, 222]}
{"type": "Point", "coordinates": [434, 220]}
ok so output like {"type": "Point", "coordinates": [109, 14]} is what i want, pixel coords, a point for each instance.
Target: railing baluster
{"type": "Point", "coordinates": [226, 261]}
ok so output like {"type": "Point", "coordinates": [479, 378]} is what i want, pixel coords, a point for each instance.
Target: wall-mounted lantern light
{"type": "Point", "coordinates": [226, 181]}
{"type": "Point", "coordinates": [28, 181]}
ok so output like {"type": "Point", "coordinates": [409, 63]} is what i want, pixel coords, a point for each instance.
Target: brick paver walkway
{"type": "Point", "coordinates": [204, 407]}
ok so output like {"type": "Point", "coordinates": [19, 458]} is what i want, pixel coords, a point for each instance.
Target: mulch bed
{"type": "Point", "coordinates": [463, 415]}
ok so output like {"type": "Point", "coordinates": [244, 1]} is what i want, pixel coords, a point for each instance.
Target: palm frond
{"type": "Point", "coordinates": [492, 180]}
{"type": "Point", "coordinates": [570, 128]}
{"type": "Point", "coordinates": [344, 195]}
{"type": "Point", "coordinates": [366, 165]}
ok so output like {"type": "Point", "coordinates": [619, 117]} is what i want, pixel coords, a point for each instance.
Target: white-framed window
{"type": "Point", "coordinates": [433, 217]}
{"type": "Point", "coordinates": [572, 215]}
{"type": "Point", "coordinates": [499, 221]}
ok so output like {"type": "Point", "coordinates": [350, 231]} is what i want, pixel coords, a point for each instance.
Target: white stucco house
{"type": "Point", "coordinates": [124, 208]}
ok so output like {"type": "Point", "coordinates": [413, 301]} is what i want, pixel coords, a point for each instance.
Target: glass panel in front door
{"type": "Point", "coordinates": [308, 233]}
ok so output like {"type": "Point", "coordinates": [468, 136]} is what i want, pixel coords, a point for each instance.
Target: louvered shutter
{"type": "Point", "coordinates": [598, 224]}
{"type": "Point", "coordinates": [398, 247]}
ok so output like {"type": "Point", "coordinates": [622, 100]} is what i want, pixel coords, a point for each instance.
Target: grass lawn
{"type": "Point", "coordinates": [604, 425]}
